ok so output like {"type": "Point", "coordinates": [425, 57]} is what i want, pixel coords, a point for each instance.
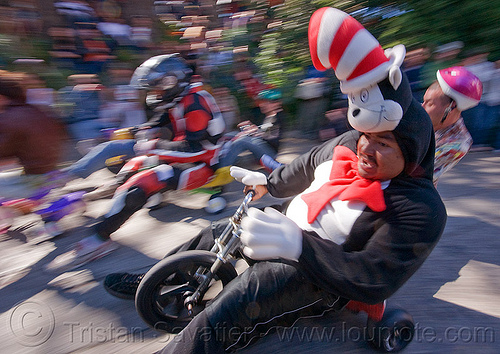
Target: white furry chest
{"type": "Point", "coordinates": [335, 220]}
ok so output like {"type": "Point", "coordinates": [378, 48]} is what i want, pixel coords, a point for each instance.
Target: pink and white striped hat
{"type": "Point", "coordinates": [338, 41]}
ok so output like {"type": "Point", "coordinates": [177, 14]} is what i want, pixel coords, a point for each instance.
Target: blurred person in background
{"type": "Point", "coordinates": [455, 91]}
{"type": "Point", "coordinates": [481, 119]}
{"type": "Point", "coordinates": [27, 17]}
{"type": "Point", "coordinates": [412, 66]}
{"type": "Point", "coordinates": [493, 100]}
{"type": "Point", "coordinates": [228, 106]}
{"type": "Point", "coordinates": [63, 51]}
{"type": "Point", "coordinates": [251, 86]}
{"type": "Point", "coordinates": [141, 32]}
{"type": "Point", "coordinates": [95, 49]}
{"type": "Point", "coordinates": [259, 137]}
{"type": "Point", "coordinates": [116, 28]}
{"type": "Point", "coordinates": [312, 93]}
{"type": "Point", "coordinates": [82, 99]}
{"type": "Point", "coordinates": [123, 106]}
{"type": "Point", "coordinates": [336, 121]}
{"type": "Point", "coordinates": [28, 134]}
{"type": "Point", "coordinates": [37, 92]}
{"type": "Point", "coordinates": [444, 56]}
{"type": "Point", "coordinates": [73, 11]}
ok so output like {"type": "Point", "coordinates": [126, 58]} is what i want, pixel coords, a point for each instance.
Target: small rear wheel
{"type": "Point", "coordinates": [115, 164]}
{"type": "Point", "coordinates": [114, 169]}
{"type": "Point", "coordinates": [161, 293]}
{"type": "Point", "coordinates": [216, 204]}
{"type": "Point", "coordinates": [393, 333]}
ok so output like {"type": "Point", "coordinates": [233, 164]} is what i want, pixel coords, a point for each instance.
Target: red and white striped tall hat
{"type": "Point", "coordinates": [338, 41]}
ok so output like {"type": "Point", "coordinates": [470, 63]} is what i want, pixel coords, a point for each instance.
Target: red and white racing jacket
{"type": "Point", "coordinates": [197, 119]}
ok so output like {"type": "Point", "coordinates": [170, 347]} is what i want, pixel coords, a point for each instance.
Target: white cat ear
{"type": "Point", "coordinates": [396, 56]}
{"type": "Point", "coordinates": [395, 76]}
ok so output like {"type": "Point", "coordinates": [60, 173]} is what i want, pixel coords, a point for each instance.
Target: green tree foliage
{"type": "Point", "coordinates": [432, 23]}
{"type": "Point", "coordinates": [283, 50]}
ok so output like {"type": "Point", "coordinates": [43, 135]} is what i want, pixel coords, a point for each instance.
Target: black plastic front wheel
{"type": "Point", "coordinates": [161, 293]}
{"type": "Point", "coordinates": [393, 333]}
{"type": "Point", "coordinates": [115, 164]}
{"type": "Point", "coordinates": [216, 204]}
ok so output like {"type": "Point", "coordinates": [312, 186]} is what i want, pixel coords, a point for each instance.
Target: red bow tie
{"type": "Point", "coordinates": [346, 184]}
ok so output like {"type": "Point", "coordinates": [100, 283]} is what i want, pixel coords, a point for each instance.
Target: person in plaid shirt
{"type": "Point", "coordinates": [455, 90]}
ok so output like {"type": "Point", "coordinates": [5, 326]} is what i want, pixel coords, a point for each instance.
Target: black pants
{"type": "Point", "coordinates": [268, 294]}
{"type": "Point", "coordinates": [136, 198]}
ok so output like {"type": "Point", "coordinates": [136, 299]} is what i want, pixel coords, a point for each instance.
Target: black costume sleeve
{"type": "Point", "coordinates": [400, 242]}
{"type": "Point", "coordinates": [272, 133]}
{"type": "Point", "coordinates": [383, 249]}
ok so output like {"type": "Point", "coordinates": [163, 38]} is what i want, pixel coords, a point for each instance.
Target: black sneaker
{"type": "Point", "coordinates": [122, 285]}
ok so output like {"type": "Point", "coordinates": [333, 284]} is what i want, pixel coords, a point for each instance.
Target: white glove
{"type": "Point", "coordinates": [142, 147]}
{"type": "Point", "coordinates": [247, 177]}
{"type": "Point", "coordinates": [147, 134]}
{"type": "Point", "coordinates": [269, 234]}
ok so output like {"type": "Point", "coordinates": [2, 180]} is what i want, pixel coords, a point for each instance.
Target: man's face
{"type": "Point", "coordinates": [379, 156]}
{"type": "Point", "coordinates": [435, 104]}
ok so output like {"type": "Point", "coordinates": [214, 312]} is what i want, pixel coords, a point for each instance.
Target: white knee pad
{"type": "Point", "coordinates": [164, 172]}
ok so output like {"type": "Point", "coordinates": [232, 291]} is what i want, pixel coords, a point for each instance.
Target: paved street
{"type": "Point", "coordinates": [454, 297]}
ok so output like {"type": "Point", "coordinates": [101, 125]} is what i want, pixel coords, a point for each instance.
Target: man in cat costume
{"type": "Point", "coordinates": [364, 215]}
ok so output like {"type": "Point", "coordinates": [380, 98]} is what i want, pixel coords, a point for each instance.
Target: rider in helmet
{"type": "Point", "coordinates": [189, 110]}
{"type": "Point", "coordinates": [166, 81]}
{"type": "Point", "coordinates": [197, 125]}
{"type": "Point", "coordinates": [455, 91]}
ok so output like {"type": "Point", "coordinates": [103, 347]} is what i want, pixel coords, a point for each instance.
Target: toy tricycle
{"type": "Point", "coordinates": [176, 289]}
{"type": "Point", "coordinates": [68, 204]}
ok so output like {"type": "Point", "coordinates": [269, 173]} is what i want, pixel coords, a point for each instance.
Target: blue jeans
{"type": "Point", "coordinates": [87, 129]}
{"type": "Point", "coordinates": [480, 121]}
{"type": "Point", "coordinates": [96, 158]}
{"type": "Point", "coordinates": [16, 185]}
{"type": "Point", "coordinates": [255, 145]}
{"type": "Point", "coordinates": [496, 133]}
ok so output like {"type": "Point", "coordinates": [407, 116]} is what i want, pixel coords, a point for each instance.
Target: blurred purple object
{"type": "Point", "coordinates": [64, 206]}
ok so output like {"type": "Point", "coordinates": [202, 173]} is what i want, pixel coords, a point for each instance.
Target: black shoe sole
{"type": "Point", "coordinates": [118, 294]}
